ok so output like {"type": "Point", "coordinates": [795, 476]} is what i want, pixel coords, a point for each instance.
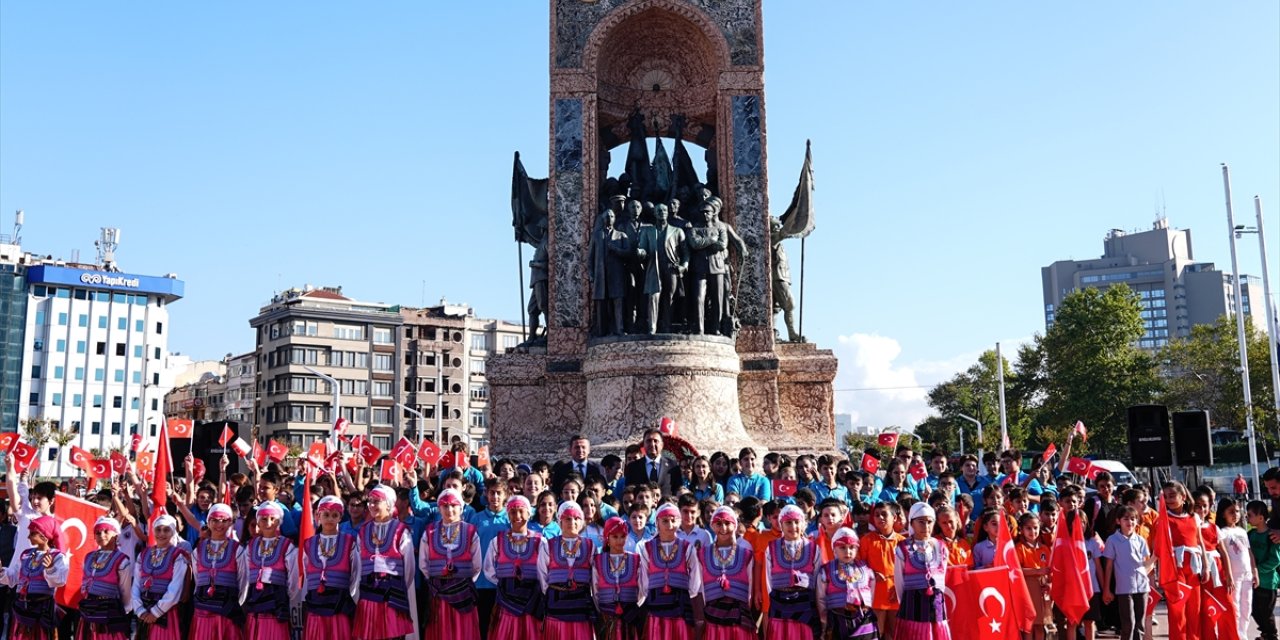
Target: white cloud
{"type": "Point", "coordinates": [878, 390]}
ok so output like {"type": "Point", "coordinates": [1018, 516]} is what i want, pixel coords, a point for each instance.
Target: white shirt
{"type": "Point", "coordinates": [171, 594]}
{"type": "Point", "coordinates": [1234, 543]}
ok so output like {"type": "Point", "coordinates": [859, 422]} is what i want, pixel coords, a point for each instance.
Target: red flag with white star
{"type": "Point", "coordinates": [1069, 585]}
{"type": "Point", "coordinates": [1023, 611]}
{"type": "Point", "coordinates": [993, 606]}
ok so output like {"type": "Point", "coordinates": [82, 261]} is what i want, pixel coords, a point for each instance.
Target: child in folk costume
{"type": "Point", "coordinates": [920, 569]}
{"type": "Point", "coordinates": [1220, 578]}
{"type": "Point", "coordinates": [790, 563]}
{"type": "Point", "coordinates": [159, 576]}
{"type": "Point", "coordinates": [616, 585]}
{"type": "Point", "coordinates": [105, 587]}
{"type": "Point", "coordinates": [217, 568]}
{"type": "Point", "coordinates": [950, 531]}
{"type": "Point", "coordinates": [845, 591]}
{"type": "Point", "coordinates": [270, 579]}
{"type": "Point", "coordinates": [450, 559]}
{"type": "Point", "coordinates": [387, 606]}
{"type": "Point", "coordinates": [511, 563]}
{"type": "Point", "coordinates": [1188, 558]}
{"type": "Point", "coordinates": [330, 564]}
{"type": "Point", "coordinates": [727, 569]}
{"type": "Point", "coordinates": [1033, 557]}
{"type": "Point", "coordinates": [34, 575]}
{"type": "Point", "coordinates": [876, 549]}
{"type": "Point", "coordinates": [564, 573]}
{"type": "Point", "coordinates": [670, 576]}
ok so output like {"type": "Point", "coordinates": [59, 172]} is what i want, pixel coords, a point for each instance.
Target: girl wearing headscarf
{"type": "Point", "coordinates": [218, 571]}
{"type": "Point", "coordinates": [564, 573]}
{"type": "Point", "coordinates": [386, 606]}
{"type": "Point", "coordinates": [450, 559]}
{"type": "Point", "coordinates": [511, 563]}
{"type": "Point", "coordinates": [616, 585]}
{"type": "Point", "coordinates": [270, 577]}
{"type": "Point", "coordinates": [846, 590]}
{"type": "Point", "coordinates": [727, 565]}
{"type": "Point", "coordinates": [34, 576]}
{"type": "Point", "coordinates": [920, 569]}
{"type": "Point", "coordinates": [669, 568]}
{"type": "Point", "coordinates": [158, 578]}
{"type": "Point", "coordinates": [330, 562]}
{"type": "Point", "coordinates": [790, 563]}
{"type": "Point", "coordinates": [105, 586]}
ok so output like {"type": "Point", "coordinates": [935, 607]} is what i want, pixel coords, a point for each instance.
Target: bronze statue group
{"type": "Point", "coordinates": [634, 546]}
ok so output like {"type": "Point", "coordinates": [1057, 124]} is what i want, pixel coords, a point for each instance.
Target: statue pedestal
{"type": "Point", "coordinates": [806, 398]}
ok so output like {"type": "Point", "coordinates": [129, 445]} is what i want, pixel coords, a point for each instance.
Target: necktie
{"type": "Point", "coordinates": [653, 472]}
{"type": "Point", "coordinates": [582, 469]}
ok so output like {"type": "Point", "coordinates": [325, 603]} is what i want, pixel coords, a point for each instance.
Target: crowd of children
{"type": "Point", "coordinates": [773, 547]}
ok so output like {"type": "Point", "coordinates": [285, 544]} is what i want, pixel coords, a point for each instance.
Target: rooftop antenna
{"type": "Point", "coordinates": [17, 226]}
{"type": "Point", "coordinates": [107, 243]}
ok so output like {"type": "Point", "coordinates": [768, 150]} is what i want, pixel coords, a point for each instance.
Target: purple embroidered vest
{"type": "Point", "coordinates": [781, 570]}
{"type": "Point", "coordinates": [102, 574]}
{"type": "Point", "coordinates": [562, 569]}
{"type": "Point", "coordinates": [673, 573]}
{"type": "Point", "coordinates": [218, 569]}
{"type": "Point", "coordinates": [388, 549]}
{"type": "Point", "coordinates": [736, 574]}
{"type": "Point", "coordinates": [274, 559]}
{"type": "Point", "coordinates": [614, 588]}
{"type": "Point", "coordinates": [508, 560]}
{"type": "Point", "coordinates": [335, 570]}
{"type": "Point", "coordinates": [438, 557]}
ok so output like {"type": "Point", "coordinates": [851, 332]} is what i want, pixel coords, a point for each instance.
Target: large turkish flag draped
{"type": "Point", "coordinates": [1069, 585]}
{"type": "Point", "coordinates": [77, 517]}
{"type": "Point", "coordinates": [1024, 612]}
{"type": "Point", "coordinates": [160, 488]}
{"type": "Point", "coordinates": [961, 600]}
{"type": "Point", "coordinates": [1162, 540]}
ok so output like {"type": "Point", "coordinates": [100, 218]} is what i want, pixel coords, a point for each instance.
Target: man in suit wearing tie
{"type": "Point", "coordinates": [652, 467]}
{"type": "Point", "coordinates": [579, 451]}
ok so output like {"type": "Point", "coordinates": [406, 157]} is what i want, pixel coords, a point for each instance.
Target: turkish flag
{"type": "Point", "coordinates": [888, 440]}
{"type": "Point", "coordinates": [1162, 546]}
{"type": "Point", "coordinates": [1212, 608]}
{"type": "Point", "coordinates": [276, 451]}
{"type": "Point", "coordinates": [340, 426]}
{"type": "Point", "coordinates": [241, 447]}
{"type": "Point", "coordinates": [870, 463]}
{"type": "Point", "coordinates": [993, 606]}
{"type": "Point", "coordinates": [1079, 428]}
{"type": "Point", "coordinates": [317, 453]}
{"type": "Point", "coordinates": [667, 426]}
{"type": "Point", "coordinates": [99, 470]}
{"type": "Point", "coordinates": [23, 456]}
{"type": "Point", "coordinates": [918, 471]}
{"type": "Point", "coordinates": [228, 434]}
{"type": "Point", "coordinates": [7, 441]}
{"type": "Point", "coordinates": [1048, 453]}
{"type": "Point", "coordinates": [136, 442]}
{"type": "Point", "coordinates": [197, 468]}
{"type": "Point", "coordinates": [429, 452]}
{"type": "Point", "coordinates": [390, 472]}
{"type": "Point", "coordinates": [77, 517]}
{"type": "Point", "coordinates": [1093, 471]}
{"type": "Point", "coordinates": [404, 452]}
{"type": "Point", "coordinates": [1078, 466]}
{"type": "Point", "coordinates": [1023, 611]}
{"type": "Point", "coordinates": [482, 457]}
{"type": "Point", "coordinates": [453, 459]}
{"type": "Point", "coordinates": [1069, 585]}
{"type": "Point", "coordinates": [334, 462]}
{"type": "Point", "coordinates": [369, 452]}
{"type": "Point", "coordinates": [960, 597]}
{"type": "Point", "coordinates": [146, 463]}
{"type": "Point", "coordinates": [784, 488]}
{"type": "Point", "coordinates": [81, 458]}
{"type": "Point", "coordinates": [180, 428]}
{"type": "Point", "coordinates": [259, 454]}
{"type": "Point", "coordinates": [160, 487]}
{"type": "Point", "coordinates": [119, 463]}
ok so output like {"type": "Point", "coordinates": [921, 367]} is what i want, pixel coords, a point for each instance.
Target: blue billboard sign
{"type": "Point", "coordinates": [104, 280]}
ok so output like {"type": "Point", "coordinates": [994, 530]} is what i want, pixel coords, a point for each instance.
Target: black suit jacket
{"type": "Point", "coordinates": [560, 472]}
{"type": "Point", "coordinates": [637, 472]}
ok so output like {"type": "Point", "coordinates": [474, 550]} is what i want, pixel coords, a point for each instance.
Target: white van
{"type": "Point", "coordinates": [1118, 471]}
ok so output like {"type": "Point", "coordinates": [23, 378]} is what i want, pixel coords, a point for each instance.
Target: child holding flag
{"type": "Point", "coordinates": [845, 588]}
{"type": "Point", "coordinates": [216, 565]}
{"type": "Point", "coordinates": [616, 582]}
{"type": "Point", "coordinates": [510, 563]}
{"type": "Point", "coordinates": [727, 571]}
{"type": "Point", "coordinates": [920, 569]}
{"type": "Point", "coordinates": [36, 573]}
{"type": "Point", "coordinates": [330, 563]}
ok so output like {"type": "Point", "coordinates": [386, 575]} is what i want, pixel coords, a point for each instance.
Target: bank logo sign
{"type": "Point", "coordinates": [110, 281]}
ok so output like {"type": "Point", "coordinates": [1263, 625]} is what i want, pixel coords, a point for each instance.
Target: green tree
{"type": "Point", "coordinates": [1202, 371]}
{"type": "Point", "coordinates": [975, 393]}
{"type": "Point", "coordinates": [1092, 369]}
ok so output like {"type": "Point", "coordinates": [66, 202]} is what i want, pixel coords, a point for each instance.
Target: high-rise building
{"type": "Point", "coordinates": [445, 348]}
{"type": "Point", "coordinates": [306, 334]}
{"type": "Point", "coordinates": [1175, 291]}
{"type": "Point", "coordinates": [13, 327]}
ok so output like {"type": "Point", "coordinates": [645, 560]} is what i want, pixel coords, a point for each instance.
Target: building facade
{"type": "Point", "coordinates": [305, 335]}
{"type": "Point", "coordinates": [445, 349]}
{"type": "Point", "coordinates": [1175, 292]}
{"type": "Point", "coordinates": [13, 327]}
{"type": "Point", "coordinates": [214, 391]}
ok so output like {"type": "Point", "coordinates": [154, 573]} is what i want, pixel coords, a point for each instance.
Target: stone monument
{"type": "Point", "coordinates": [655, 284]}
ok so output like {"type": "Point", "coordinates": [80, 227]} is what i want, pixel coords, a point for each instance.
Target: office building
{"type": "Point", "coordinates": [306, 334]}
{"type": "Point", "coordinates": [215, 390]}
{"type": "Point", "coordinates": [1176, 292]}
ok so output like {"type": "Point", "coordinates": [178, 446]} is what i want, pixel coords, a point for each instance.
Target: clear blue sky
{"type": "Point", "coordinates": [958, 148]}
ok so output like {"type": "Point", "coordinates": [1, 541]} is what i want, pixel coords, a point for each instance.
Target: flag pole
{"type": "Point", "coordinates": [802, 239]}
{"type": "Point", "coordinates": [524, 337]}
{"type": "Point", "coordinates": [1004, 424]}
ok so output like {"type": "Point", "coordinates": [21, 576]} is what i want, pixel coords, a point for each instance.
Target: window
{"type": "Point", "coordinates": [381, 416]}
{"type": "Point", "coordinates": [155, 378]}
{"type": "Point", "coordinates": [115, 428]}
{"type": "Point", "coordinates": [479, 342]}
{"type": "Point", "coordinates": [510, 342]}
{"type": "Point", "coordinates": [100, 348]}
{"type": "Point", "coordinates": [83, 320]}
{"type": "Point", "coordinates": [478, 419]}
{"type": "Point", "coordinates": [156, 355]}
{"type": "Point", "coordinates": [137, 377]}
{"type": "Point", "coordinates": [137, 351]}
{"type": "Point", "coordinates": [382, 388]}
{"type": "Point", "coordinates": [348, 332]}
{"type": "Point", "coordinates": [62, 319]}
{"type": "Point", "coordinates": [119, 375]}
{"type": "Point", "coordinates": [61, 346]}
{"type": "Point", "coordinates": [57, 399]}
{"type": "Point", "coordinates": [117, 402]}
{"type": "Point", "coordinates": [159, 327]}
{"type": "Point", "coordinates": [382, 336]}
{"type": "Point", "coordinates": [97, 401]}
{"type": "Point", "coordinates": [53, 454]}
{"type": "Point", "coordinates": [133, 403]}
{"type": "Point", "coordinates": [81, 346]}
{"type": "Point", "coordinates": [382, 362]}
{"type": "Point", "coordinates": [479, 392]}
{"type": "Point", "coordinates": [99, 375]}
{"type": "Point", "coordinates": [122, 324]}
{"type": "Point", "coordinates": [79, 373]}
{"type": "Point", "coordinates": [477, 366]}
{"type": "Point", "coordinates": [59, 372]}
{"type": "Point", "coordinates": [139, 326]}
{"type": "Point", "coordinates": [102, 322]}
{"type": "Point", "coordinates": [77, 400]}
{"type": "Point", "coordinates": [155, 406]}
{"type": "Point", "coordinates": [40, 318]}
{"type": "Point", "coordinates": [95, 428]}
{"type": "Point", "coordinates": [120, 349]}
{"type": "Point", "coordinates": [35, 371]}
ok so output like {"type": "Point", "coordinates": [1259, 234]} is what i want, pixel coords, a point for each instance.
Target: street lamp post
{"type": "Point", "coordinates": [421, 419]}
{"type": "Point", "coordinates": [337, 406]}
{"type": "Point", "coordinates": [1238, 310]}
{"type": "Point", "coordinates": [1273, 329]}
{"type": "Point", "coordinates": [979, 425]}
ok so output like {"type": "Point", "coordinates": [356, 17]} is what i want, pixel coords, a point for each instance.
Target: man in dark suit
{"type": "Point", "coordinates": [654, 467]}
{"type": "Point", "coordinates": [579, 452]}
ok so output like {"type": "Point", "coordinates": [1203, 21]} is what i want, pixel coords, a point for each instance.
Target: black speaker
{"type": "Point", "coordinates": [1191, 438]}
{"type": "Point", "coordinates": [204, 445]}
{"type": "Point", "coordinates": [1149, 444]}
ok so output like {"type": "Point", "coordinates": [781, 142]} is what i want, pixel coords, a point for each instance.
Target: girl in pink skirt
{"type": "Point", "coordinates": [159, 575]}
{"type": "Point", "coordinates": [450, 559]}
{"type": "Point", "coordinates": [616, 583]}
{"type": "Point", "coordinates": [35, 575]}
{"type": "Point", "coordinates": [104, 587]}
{"type": "Point", "coordinates": [216, 565]}
{"type": "Point", "coordinates": [330, 560]}
{"type": "Point", "coordinates": [511, 563]}
{"type": "Point", "coordinates": [386, 607]}
{"type": "Point", "coordinates": [727, 565]}
{"type": "Point", "coordinates": [920, 569]}
{"type": "Point", "coordinates": [846, 589]}
{"type": "Point", "coordinates": [564, 573]}
{"type": "Point", "coordinates": [270, 577]}
{"type": "Point", "coordinates": [790, 563]}
{"type": "Point", "coordinates": [669, 575]}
